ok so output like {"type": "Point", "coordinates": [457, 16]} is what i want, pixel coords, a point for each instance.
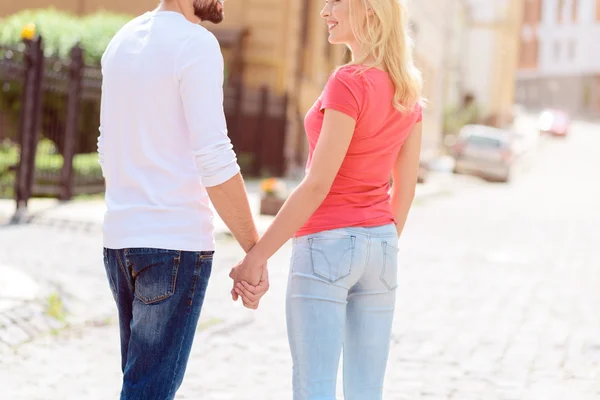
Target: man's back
{"type": "Point", "coordinates": [164, 151]}
{"type": "Point", "coordinates": [163, 133]}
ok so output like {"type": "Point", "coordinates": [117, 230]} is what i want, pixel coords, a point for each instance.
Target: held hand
{"type": "Point", "coordinates": [246, 271]}
{"type": "Point", "coordinates": [251, 295]}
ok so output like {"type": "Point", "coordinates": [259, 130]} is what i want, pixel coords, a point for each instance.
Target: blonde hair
{"type": "Point", "coordinates": [384, 36]}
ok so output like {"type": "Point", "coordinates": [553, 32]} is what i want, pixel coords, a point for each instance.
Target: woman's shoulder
{"type": "Point", "coordinates": [348, 71]}
{"type": "Point", "coordinates": [347, 75]}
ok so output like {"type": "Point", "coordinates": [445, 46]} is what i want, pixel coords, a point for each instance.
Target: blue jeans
{"type": "Point", "coordinates": [341, 294]}
{"type": "Point", "coordinates": [159, 294]}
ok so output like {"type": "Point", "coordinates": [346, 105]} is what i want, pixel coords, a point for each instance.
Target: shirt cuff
{"type": "Point", "coordinates": [223, 175]}
{"type": "Point", "coordinates": [344, 109]}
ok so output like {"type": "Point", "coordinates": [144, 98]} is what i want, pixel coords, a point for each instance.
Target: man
{"type": "Point", "coordinates": [164, 151]}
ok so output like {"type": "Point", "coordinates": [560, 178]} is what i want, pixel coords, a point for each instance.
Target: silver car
{"type": "Point", "coordinates": [484, 151]}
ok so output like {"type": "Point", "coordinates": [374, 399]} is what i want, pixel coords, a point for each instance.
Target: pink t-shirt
{"type": "Point", "coordinates": [359, 195]}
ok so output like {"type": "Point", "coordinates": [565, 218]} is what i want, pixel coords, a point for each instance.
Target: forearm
{"type": "Point", "coordinates": [231, 202]}
{"type": "Point", "coordinates": [401, 201]}
{"type": "Point", "coordinates": [298, 208]}
{"type": "Point", "coordinates": [405, 176]}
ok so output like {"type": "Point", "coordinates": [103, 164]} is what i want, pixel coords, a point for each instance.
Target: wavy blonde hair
{"type": "Point", "coordinates": [384, 36]}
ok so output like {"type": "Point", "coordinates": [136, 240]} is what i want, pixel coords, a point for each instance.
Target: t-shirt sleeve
{"type": "Point", "coordinates": [343, 93]}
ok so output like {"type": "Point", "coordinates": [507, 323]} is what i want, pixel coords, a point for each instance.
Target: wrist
{"type": "Point", "coordinates": [254, 258]}
{"type": "Point", "coordinates": [249, 243]}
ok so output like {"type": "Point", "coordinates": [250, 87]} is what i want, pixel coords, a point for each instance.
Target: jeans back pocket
{"type": "Point", "coordinates": [332, 257]}
{"type": "Point", "coordinates": [154, 273]}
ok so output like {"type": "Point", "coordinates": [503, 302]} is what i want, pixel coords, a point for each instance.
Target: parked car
{"type": "Point", "coordinates": [485, 151]}
{"type": "Point", "coordinates": [554, 122]}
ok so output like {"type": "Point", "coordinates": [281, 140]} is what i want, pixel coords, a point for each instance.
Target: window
{"type": "Point", "coordinates": [557, 49]}
{"type": "Point", "coordinates": [559, 11]}
{"type": "Point", "coordinates": [532, 13]}
{"type": "Point", "coordinates": [529, 53]}
{"type": "Point", "coordinates": [572, 49]}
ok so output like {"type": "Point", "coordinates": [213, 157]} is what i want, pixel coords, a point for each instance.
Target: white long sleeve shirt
{"type": "Point", "coordinates": [163, 136]}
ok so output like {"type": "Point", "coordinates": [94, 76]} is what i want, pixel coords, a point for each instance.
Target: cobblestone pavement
{"type": "Point", "coordinates": [498, 299]}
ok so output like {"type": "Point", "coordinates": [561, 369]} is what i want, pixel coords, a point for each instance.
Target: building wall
{"type": "Point", "coordinates": [568, 40]}
{"type": "Point", "coordinates": [528, 58]}
{"type": "Point", "coordinates": [456, 63]}
{"type": "Point", "coordinates": [567, 70]}
{"type": "Point", "coordinates": [431, 32]}
{"type": "Point", "coordinates": [492, 54]}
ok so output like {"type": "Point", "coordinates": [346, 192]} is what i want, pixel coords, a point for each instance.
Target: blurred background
{"type": "Point", "coordinates": [499, 278]}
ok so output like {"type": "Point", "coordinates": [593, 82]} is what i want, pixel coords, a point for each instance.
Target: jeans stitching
{"type": "Point", "coordinates": [328, 279]}
{"type": "Point", "coordinates": [293, 259]}
{"type": "Point", "coordinates": [175, 269]}
{"type": "Point", "coordinates": [384, 246]}
{"type": "Point", "coordinates": [196, 275]}
{"type": "Point", "coordinates": [125, 274]}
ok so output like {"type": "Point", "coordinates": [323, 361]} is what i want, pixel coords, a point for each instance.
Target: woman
{"type": "Point", "coordinates": [364, 128]}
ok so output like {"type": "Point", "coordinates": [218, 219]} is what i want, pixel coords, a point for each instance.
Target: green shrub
{"type": "Point", "coordinates": [61, 31]}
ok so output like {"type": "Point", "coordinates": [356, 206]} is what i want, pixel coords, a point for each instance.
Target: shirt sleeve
{"type": "Point", "coordinates": [343, 92]}
{"type": "Point", "coordinates": [101, 152]}
{"type": "Point", "coordinates": [100, 142]}
{"type": "Point", "coordinates": [201, 89]}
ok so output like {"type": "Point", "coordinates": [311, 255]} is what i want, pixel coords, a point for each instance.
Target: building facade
{"type": "Point", "coordinates": [490, 52]}
{"type": "Point", "coordinates": [560, 58]}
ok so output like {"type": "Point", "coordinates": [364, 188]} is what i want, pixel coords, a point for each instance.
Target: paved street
{"type": "Point", "coordinates": [499, 298]}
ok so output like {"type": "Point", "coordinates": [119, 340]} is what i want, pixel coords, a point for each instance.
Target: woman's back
{"type": "Point", "coordinates": [359, 195]}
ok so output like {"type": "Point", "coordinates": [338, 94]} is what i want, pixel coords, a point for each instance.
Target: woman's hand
{"type": "Point", "coordinates": [251, 294]}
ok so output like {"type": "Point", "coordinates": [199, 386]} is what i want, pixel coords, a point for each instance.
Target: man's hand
{"type": "Point", "coordinates": [251, 294]}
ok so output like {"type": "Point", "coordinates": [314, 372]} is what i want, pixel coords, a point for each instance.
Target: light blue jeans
{"type": "Point", "coordinates": [341, 294]}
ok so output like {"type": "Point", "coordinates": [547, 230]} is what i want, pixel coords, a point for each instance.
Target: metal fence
{"type": "Point", "coordinates": [49, 118]}
{"type": "Point", "coordinates": [257, 121]}
{"type": "Point", "coordinates": [12, 78]}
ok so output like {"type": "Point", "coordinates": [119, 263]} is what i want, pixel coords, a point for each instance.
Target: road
{"type": "Point", "coordinates": [499, 298]}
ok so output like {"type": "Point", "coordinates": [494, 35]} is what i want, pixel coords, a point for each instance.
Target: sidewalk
{"type": "Point", "coordinates": [36, 299]}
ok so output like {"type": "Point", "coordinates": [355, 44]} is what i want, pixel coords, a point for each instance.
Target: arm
{"type": "Point", "coordinates": [404, 175]}
{"type": "Point", "coordinates": [231, 202]}
{"type": "Point", "coordinates": [340, 104]}
{"type": "Point", "coordinates": [334, 140]}
{"type": "Point", "coordinates": [200, 77]}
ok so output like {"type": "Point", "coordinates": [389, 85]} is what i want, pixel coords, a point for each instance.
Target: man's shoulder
{"type": "Point", "coordinates": [200, 38]}
{"type": "Point", "coordinates": [131, 24]}
{"type": "Point", "coordinates": [122, 33]}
